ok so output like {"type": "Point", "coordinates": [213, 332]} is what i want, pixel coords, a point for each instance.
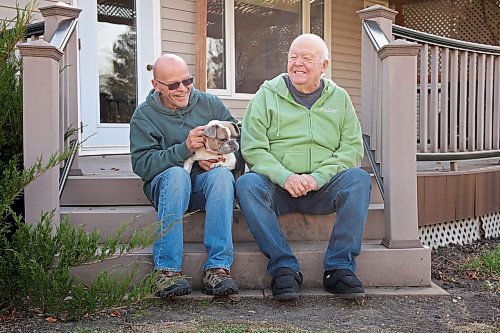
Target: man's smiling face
{"type": "Point", "coordinates": [172, 70]}
{"type": "Point", "coordinates": [305, 64]}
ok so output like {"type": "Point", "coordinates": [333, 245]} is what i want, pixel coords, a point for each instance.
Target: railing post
{"type": "Point", "coordinates": [371, 72]}
{"type": "Point", "coordinates": [41, 124]}
{"type": "Point", "coordinates": [399, 105]}
{"type": "Point", "coordinates": [53, 14]}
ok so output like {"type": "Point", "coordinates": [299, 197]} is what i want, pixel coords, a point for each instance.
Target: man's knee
{"type": "Point", "coordinates": [222, 175]}
{"type": "Point", "coordinates": [360, 178]}
{"type": "Point", "coordinates": [174, 179]}
{"type": "Point", "coordinates": [247, 181]}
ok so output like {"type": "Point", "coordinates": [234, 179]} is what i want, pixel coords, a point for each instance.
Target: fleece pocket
{"type": "Point", "coordinates": [296, 161]}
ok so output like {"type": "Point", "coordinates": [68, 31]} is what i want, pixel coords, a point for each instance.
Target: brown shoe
{"type": "Point", "coordinates": [218, 282]}
{"type": "Point", "coordinates": [170, 284]}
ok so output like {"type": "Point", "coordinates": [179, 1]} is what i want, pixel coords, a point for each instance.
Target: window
{"type": "Point", "coordinates": [116, 37]}
{"type": "Point", "coordinates": [248, 40]}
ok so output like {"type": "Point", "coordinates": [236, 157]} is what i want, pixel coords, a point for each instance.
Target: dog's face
{"type": "Point", "coordinates": [220, 137]}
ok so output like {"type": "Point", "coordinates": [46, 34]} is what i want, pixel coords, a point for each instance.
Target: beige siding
{"type": "Point", "coordinates": [178, 24]}
{"type": "Point", "coordinates": [346, 47]}
{"type": "Point", "coordinates": [8, 8]}
{"type": "Point", "coordinates": [236, 106]}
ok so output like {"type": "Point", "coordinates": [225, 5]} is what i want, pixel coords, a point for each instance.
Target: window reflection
{"type": "Point", "coordinates": [216, 47]}
{"type": "Point", "coordinates": [264, 30]}
{"type": "Point", "coordinates": [317, 17]}
{"type": "Point", "coordinates": [116, 40]}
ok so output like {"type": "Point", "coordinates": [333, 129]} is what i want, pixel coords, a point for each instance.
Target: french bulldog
{"type": "Point", "coordinates": [220, 144]}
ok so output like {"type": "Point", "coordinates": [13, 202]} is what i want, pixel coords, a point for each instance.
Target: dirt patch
{"type": "Point", "coordinates": [472, 306]}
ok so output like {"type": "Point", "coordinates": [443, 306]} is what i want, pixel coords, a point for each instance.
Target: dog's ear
{"type": "Point", "coordinates": [235, 130]}
{"type": "Point", "coordinates": [210, 131]}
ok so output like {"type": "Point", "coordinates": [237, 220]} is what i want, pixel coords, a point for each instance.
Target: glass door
{"type": "Point", "coordinates": [113, 73]}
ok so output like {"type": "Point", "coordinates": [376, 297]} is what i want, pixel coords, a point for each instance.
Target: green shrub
{"type": "Point", "coordinates": [11, 90]}
{"type": "Point", "coordinates": [36, 261]}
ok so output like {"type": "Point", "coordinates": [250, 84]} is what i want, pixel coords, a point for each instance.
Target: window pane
{"type": "Point", "coordinates": [317, 17]}
{"type": "Point", "coordinates": [216, 45]}
{"type": "Point", "coordinates": [116, 40]}
{"type": "Point", "coordinates": [264, 30]}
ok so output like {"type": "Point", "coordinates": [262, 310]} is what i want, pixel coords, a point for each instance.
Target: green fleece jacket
{"type": "Point", "coordinates": [158, 134]}
{"type": "Point", "coordinates": [280, 137]}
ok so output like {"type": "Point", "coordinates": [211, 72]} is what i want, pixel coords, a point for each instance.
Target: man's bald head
{"type": "Point", "coordinates": [166, 63]}
{"type": "Point", "coordinates": [316, 41]}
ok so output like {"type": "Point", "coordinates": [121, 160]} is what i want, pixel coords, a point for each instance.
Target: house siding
{"type": "Point", "coordinates": [178, 27]}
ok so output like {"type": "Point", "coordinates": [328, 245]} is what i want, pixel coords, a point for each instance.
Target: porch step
{"type": "Point", "coordinates": [97, 190]}
{"type": "Point", "coordinates": [376, 265]}
{"type": "Point", "coordinates": [295, 226]}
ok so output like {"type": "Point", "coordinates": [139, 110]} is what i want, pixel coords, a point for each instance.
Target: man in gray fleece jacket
{"type": "Point", "coordinates": [165, 130]}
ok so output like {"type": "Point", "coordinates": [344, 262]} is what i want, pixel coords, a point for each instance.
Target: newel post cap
{"type": "Point", "coordinates": [60, 9]}
{"type": "Point", "coordinates": [399, 47]}
{"type": "Point", "coordinates": [39, 48]}
{"type": "Point", "coordinates": [377, 11]}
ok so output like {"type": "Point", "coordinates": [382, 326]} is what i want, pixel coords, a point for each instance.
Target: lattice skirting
{"type": "Point", "coordinates": [461, 231]}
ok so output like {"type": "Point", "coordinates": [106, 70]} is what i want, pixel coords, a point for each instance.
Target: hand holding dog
{"type": "Point", "coordinates": [207, 164]}
{"type": "Point", "coordinates": [195, 139]}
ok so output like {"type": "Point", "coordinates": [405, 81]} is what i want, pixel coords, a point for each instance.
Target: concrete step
{"type": "Point", "coordinates": [97, 190]}
{"type": "Point", "coordinates": [376, 265]}
{"type": "Point", "coordinates": [295, 226]}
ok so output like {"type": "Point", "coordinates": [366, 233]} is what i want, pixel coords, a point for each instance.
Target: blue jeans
{"type": "Point", "coordinates": [173, 193]}
{"type": "Point", "coordinates": [347, 194]}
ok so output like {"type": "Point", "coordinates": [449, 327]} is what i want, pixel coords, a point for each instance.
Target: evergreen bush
{"type": "Point", "coordinates": [36, 261]}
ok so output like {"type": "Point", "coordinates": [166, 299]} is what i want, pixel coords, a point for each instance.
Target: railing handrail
{"type": "Point", "coordinates": [63, 33]}
{"type": "Point", "coordinates": [375, 34]}
{"type": "Point", "coordinates": [374, 165]}
{"type": "Point", "coordinates": [424, 37]}
{"type": "Point", "coordinates": [458, 156]}
{"type": "Point", "coordinates": [35, 29]}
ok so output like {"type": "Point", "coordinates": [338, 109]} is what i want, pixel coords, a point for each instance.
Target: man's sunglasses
{"type": "Point", "coordinates": [172, 86]}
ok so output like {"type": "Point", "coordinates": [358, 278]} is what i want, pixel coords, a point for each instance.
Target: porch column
{"type": "Point", "coordinates": [41, 124]}
{"type": "Point", "coordinates": [399, 113]}
{"type": "Point", "coordinates": [53, 14]}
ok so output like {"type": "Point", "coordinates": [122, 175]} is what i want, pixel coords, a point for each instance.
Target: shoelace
{"type": "Point", "coordinates": [216, 275]}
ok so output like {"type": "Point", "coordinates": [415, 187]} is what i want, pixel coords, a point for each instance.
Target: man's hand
{"type": "Point", "coordinates": [207, 164]}
{"type": "Point", "coordinates": [299, 185]}
{"type": "Point", "coordinates": [195, 139]}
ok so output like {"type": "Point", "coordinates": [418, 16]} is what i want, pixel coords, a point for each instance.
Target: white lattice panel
{"type": "Point", "coordinates": [491, 225]}
{"type": "Point", "coordinates": [456, 232]}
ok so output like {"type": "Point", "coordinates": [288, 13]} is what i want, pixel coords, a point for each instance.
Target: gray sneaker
{"type": "Point", "coordinates": [218, 282]}
{"type": "Point", "coordinates": [170, 284]}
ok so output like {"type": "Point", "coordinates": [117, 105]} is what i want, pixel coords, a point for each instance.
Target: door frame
{"type": "Point", "coordinates": [112, 138]}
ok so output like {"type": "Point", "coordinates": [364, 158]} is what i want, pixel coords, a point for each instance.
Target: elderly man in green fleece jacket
{"type": "Point", "coordinates": [165, 130]}
{"type": "Point", "coordinates": [302, 142]}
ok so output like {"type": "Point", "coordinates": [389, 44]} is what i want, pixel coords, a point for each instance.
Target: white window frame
{"type": "Point", "coordinates": [230, 91]}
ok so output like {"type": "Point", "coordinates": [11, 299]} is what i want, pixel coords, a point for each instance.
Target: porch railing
{"type": "Point", "coordinates": [458, 97]}
{"type": "Point", "coordinates": [50, 102]}
{"type": "Point", "coordinates": [423, 98]}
